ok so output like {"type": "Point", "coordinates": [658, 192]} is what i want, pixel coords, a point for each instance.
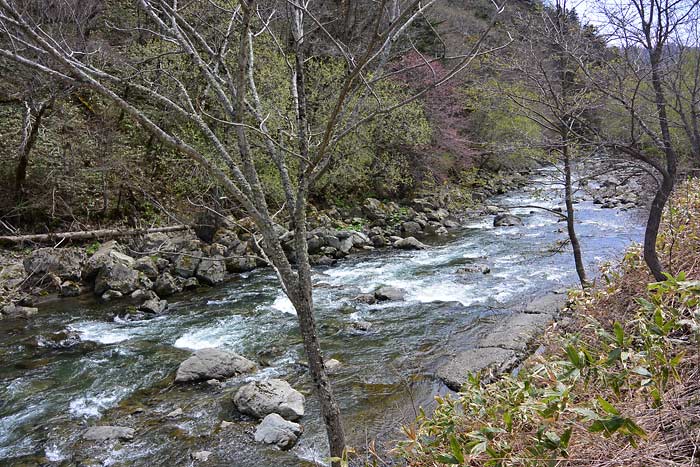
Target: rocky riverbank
{"type": "Point", "coordinates": [145, 271]}
{"type": "Point", "coordinates": [503, 343]}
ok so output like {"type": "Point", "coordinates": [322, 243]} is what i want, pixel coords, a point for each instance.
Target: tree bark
{"type": "Point", "coordinates": [570, 219]}
{"type": "Point", "coordinates": [303, 298]}
{"type": "Point", "coordinates": [651, 232]}
{"type": "Point", "coordinates": [664, 191]}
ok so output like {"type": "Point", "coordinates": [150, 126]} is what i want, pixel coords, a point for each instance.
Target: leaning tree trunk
{"type": "Point", "coordinates": [651, 233]}
{"type": "Point", "coordinates": [303, 303]}
{"type": "Point", "coordinates": [669, 175]}
{"type": "Point", "coordinates": [302, 299]}
{"type": "Point", "coordinates": [570, 217]}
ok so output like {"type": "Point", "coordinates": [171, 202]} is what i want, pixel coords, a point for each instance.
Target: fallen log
{"type": "Point", "coordinates": [101, 234]}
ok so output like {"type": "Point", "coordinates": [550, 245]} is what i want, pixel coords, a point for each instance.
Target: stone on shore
{"type": "Point", "coordinates": [64, 263]}
{"type": "Point", "coordinates": [118, 277]}
{"type": "Point", "coordinates": [516, 331]}
{"type": "Point", "coordinates": [216, 364]}
{"type": "Point", "coordinates": [494, 360]}
{"type": "Point", "coordinates": [16, 311]}
{"type": "Point", "coordinates": [212, 271]}
{"type": "Point", "coordinates": [551, 304]}
{"type": "Point", "coordinates": [167, 285]}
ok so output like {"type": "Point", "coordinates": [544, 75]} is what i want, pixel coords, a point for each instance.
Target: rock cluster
{"type": "Point", "coordinates": [152, 267]}
{"type": "Point", "coordinates": [619, 190]}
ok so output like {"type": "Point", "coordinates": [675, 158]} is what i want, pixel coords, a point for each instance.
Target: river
{"type": "Point", "coordinates": [122, 373]}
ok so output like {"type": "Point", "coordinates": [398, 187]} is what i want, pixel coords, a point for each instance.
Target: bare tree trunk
{"type": "Point", "coordinates": [330, 411]}
{"type": "Point", "coordinates": [30, 130]}
{"type": "Point", "coordinates": [303, 296]}
{"type": "Point", "coordinates": [570, 219]}
{"type": "Point", "coordinates": [669, 176]}
{"type": "Point", "coordinates": [651, 233]}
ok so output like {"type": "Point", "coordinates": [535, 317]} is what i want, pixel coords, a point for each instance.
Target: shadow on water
{"type": "Point", "coordinates": [121, 372]}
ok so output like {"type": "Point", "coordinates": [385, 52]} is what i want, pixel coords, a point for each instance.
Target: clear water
{"type": "Point", "coordinates": [122, 374]}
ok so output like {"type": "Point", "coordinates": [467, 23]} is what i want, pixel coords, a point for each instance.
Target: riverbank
{"type": "Point", "coordinates": [146, 269]}
{"type": "Point", "coordinates": [613, 384]}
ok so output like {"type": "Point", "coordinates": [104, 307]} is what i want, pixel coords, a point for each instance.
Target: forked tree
{"type": "Point", "coordinates": [231, 119]}
{"type": "Point", "coordinates": [636, 80]}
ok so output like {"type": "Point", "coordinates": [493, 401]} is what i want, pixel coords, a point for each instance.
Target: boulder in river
{"type": "Point", "coordinates": [208, 364]}
{"type": "Point", "coordinates": [409, 243]}
{"type": "Point", "coordinates": [332, 365]}
{"type": "Point", "coordinates": [154, 305]}
{"type": "Point", "coordinates": [474, 268]}
{"type": "Point", "coordinates": [278, 431]}
{"type": "Point", "coordinates": [16, 311]}
{"type": "Point", "coordinates": [506, 220]}
{"type": "Point", "coordinates": [201, 456]}
{"type": "Point", "coordinates": [387, 293]}
{"type": "Point", "coordinates": [58, 340]}
{"type": "Point", "coordinates": [367, 298]}
{"type": "Point", "coordinates": [106, 432]}
{"type": "Point", "coordinates": [261, 398]}
{"type": "Point", "coordinates": [361, 325]}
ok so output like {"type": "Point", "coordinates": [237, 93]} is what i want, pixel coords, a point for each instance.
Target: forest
{"type": "Point", "coordinates": [349, 232]}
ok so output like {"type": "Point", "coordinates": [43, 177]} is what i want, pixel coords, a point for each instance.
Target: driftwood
{"type": "Point", "coordinates": [100, 234]}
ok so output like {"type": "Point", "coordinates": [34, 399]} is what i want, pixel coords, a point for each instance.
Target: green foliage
{"type": "Point", "coordinates": [500, 125]}
{"type": "Point", "coordinates": [92, 248]}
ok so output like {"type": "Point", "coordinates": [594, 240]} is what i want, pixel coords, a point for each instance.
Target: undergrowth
{"type": "Point", "coordinates": [617, 383]}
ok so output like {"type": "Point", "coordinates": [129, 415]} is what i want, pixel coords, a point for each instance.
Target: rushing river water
{"type": "Point", "coordinates": [122, 372]}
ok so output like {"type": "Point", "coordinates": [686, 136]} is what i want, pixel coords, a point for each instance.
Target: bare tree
{"type": "Point", "coordinates": [232, 120]}
{"type": "Point", "coordinates": [635, 79]}
{"type": "Point", "coordinates": [684, 82]}
{"type": "Point", "coordinates": [548, 89]}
